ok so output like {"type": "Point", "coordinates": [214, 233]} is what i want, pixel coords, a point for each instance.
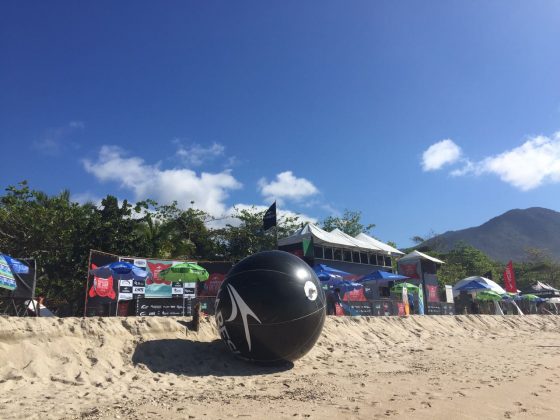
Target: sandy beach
{"type": "Point", "coordinates": [461, 367]}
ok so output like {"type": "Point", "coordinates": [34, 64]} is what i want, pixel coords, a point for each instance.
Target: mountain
{"type": "Point", "coordinates": [508, 236]}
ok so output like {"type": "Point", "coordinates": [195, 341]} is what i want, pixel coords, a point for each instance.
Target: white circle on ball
{"type": "Point", "coordinates": [310, 290]}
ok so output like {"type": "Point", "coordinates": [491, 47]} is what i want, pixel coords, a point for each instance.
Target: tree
{"type": "Point", "coordinates": [349, 223]}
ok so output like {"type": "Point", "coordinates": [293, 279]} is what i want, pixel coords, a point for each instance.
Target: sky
{"type": "Point", "coordinates": [425, 116]}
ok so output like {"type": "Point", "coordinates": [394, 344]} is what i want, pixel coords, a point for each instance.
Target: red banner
{"type": "Point", "coordinates": [509, 278]}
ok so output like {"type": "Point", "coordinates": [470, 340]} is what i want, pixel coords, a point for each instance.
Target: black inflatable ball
{"type": "Point", "coordinates": [270, 308]}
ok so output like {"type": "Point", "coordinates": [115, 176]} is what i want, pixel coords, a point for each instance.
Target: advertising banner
{"type": "Point", "coordinates": [7, 280]}
{"type": "Point", "coordinates": [509, 278]}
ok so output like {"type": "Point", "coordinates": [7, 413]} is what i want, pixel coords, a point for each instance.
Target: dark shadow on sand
{"type": "Point", "coordinates": [196, 358]}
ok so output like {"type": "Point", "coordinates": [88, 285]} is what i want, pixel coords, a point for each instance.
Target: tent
{"type": "Point", "coordinates": [326, 273]}
{"type": "Point", "coordinates": [542, 290]}
{"type": "Point", "coordinates": [491, 284]}
{"type": "Point", "coordinates": [417, 255]}
{"type": "Point", "coordinates": [381, 275]}
{"type": "Point", "coordinates": [375, 242]}
{"type": "Point", "coordinates": [337, 238]}
{"type": "Point", "coordinates": [473, 285]}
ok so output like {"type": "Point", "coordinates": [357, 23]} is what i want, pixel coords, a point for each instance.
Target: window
{"type": "Point", "coordinates": [337, 254]}
{"type": "Point", "coordinates": [387, 261]}
{"type": "Point", "coordinates": [373, 259]}
{"type": "Point", "coordinates": [347, 255]}
{"type": "Point", "coordinates": [356, 257]}
{"type": "Point", "coordinates": [363, 258]}
{"type": "Point", "coordinates": [328, 253]}
{"type": "Point", "coordinates": [318, 251]}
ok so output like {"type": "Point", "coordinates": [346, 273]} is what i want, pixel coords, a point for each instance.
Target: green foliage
{"type": "Point", "coordinates": [349, 223]}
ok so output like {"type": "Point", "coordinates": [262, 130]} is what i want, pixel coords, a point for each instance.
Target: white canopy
{"type": "Point", "coordinates": [372, 241]}
{"type": "Point", "coordinates": [495, 287]}
{"type": "Point", "coordinates": [337, 238]}
{"type": "Point", "coordinates": [415, 255]}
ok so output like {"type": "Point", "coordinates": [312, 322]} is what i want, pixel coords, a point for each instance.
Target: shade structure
{"type": "Point", "coordinates": [382, 275]}
{"type": "Point", "coordinates": [473, 285]}
{"type": "Point", "coordinates": [530, 297]}
{"type": "Point", "coordinates": [487, 295]}
{"type": "Point", "coordinates": [409, 286]}
{"type": "Point", "coordinates": [326, 273]}
{"type": "Point", "coordinates": [7, 279]}
{"type": "Point", "coordinates": [185, 273]}
{"type": "Point", "coordinates": [17, 266]}
{"type": "Point", "coordinates": [492, 284]}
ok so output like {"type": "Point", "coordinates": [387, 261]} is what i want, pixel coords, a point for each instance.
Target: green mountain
{"type": "Point", "coordinates": [508, 236]}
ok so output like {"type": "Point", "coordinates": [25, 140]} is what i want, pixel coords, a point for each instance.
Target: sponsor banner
{"type": "Point", "coordinates": [412, 270]}
{"type": "Point", "coordinates": [357, 308]}
{"type": "Point", "coordinates": [381, 308]}
{"type": "Point", "coordinates": [138, 290]}
{"type": "Point", "coordinates": [509, 278]}
{"type": "Point", "coordinates": [7, 279]}
{"type": "Point", "coordinates": [433, 308]}
{"type": "Point", "coordinates": [189, 290]}
{"type": "Point", "coordinates": [125, 283]}
{"type": "Point", "coordinates": [159, 307]}
{"type": "Point", "coordinates": [125, 296]}
{"type": "Point", "coordinates": [432, 291]}
{"type": "Point", "coordinates": [449, 293]}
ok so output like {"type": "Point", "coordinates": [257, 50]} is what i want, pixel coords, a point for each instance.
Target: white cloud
{"type": "Point", "coordinates": [228, 218]}
{"type": "Point", "coordinates": [286, 187]}
{"type": "Point", "coordinates": [534, 163]}
{"type": "Point", "coordinates": [56, 140]}
{"type": "Point", "coordinates": [196, 155]}
{"type": "Point", "coordinates": [208, 190]}
{"type": "Point", "coordinates": [439, 154]}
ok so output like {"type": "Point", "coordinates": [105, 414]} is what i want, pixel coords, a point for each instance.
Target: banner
{"type": "Point", "coordinates": [7, 280]}
{"type": "Point", "coordinates": [269, 219]}
{"type": "Point", "coordinates": [420, 301]}
{"type": "Point", "coordinates": [449, 293]}
{"type": "Point", "coordinates": [509, 278]}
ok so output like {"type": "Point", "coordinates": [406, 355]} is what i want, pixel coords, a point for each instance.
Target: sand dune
{"type": "Point", "coordinates": [421, 367]}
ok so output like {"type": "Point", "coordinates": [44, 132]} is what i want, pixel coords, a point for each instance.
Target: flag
{"type": "Point", "coordinates": [509, 278]}
{"type": "Point", "coordinates": [269, 219]}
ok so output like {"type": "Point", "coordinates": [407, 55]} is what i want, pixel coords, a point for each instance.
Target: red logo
{"type": "Point", "coordinates": [156, 269]}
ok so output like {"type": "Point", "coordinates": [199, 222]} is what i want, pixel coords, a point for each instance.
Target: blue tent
{"type": "Point", "coordinates": [325, 273]}
{"type": "Point", "coordinates": [473, 285]}
{"type": "Point", "coordinates": [382, 275]}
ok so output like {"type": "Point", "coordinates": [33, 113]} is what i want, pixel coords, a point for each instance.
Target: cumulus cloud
{"type": "Point", "coordinates": [208, 190]}
{"type": "Point", "coordinates": [534, 163]}
{"type": "Point", "coordinates": [228, 217]}
{"type": "Point", "coordinates": [196, 154]}
{"type": "Point", "coordinates": [439, 154]}
{"type": "Point", "coordinates": [55, 140]}
{"type": "Point", "coordinates": [286, 187]}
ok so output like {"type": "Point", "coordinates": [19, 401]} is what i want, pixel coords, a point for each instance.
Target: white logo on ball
{"type": "Point", "coordinates": [310, 290]}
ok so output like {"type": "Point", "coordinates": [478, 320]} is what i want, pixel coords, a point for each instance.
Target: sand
{"type": "Point", "coordinates": [452, 367]}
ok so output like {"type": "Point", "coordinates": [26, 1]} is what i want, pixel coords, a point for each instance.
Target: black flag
{"type": "Point", "coordinates": [269, 219]}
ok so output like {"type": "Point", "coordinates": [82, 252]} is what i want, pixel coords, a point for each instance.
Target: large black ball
{"type": "Point", "coordinates": [270, 308]}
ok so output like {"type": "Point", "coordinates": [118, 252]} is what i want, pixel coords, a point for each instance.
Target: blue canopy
{"type": "Point", "coordinates": [382, 275]}
{"type": "Point", "coordinates": [343, 285]}
{"type": "Point", "coordinates": [473, 285]}
{"type": "Point", "coordinates": [121, 267]}
{"type": "Point", "coordinates": [325, 273]}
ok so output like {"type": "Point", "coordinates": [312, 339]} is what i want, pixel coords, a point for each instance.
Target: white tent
{"type": "Point", "coordinates": [336, 238]}
{"type": "Point", "coordinates": [417, 255]}
{"type": "Point", "coordinates": [495, 287]}
{"type": "Point", "coordinates": [374, 242]}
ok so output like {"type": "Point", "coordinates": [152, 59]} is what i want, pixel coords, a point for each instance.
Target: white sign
{"type": "Point", "coordinates": [449, 293]}
{"type": "Point", "coordinates": [125, 282]}
{"type": "Point", "coordinates": [189, 290]}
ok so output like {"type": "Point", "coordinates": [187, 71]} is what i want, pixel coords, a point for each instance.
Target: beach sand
{"type": "Point", "coordinates": [452, 367]}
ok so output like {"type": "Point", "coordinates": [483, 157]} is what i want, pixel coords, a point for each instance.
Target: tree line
{"type": "Point", "coordinates": [59, 233]}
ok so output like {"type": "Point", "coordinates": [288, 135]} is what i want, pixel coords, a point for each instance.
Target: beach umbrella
{"type": "Point", "coordinates": [382, 275]}
{"type": "Point", "coordinates": [185, 273]}
{"type": "Point", "coordinates": [488, 295]}
{"type": "Point", "coordinates": [473, 285]}
{"type": "Point", "coordinates": [397, 288]}
{"type": "Point", "coordinates": [530, 297]}
{"type": "Point", "coordinates": [7, 279]}
{"type": "Point", "coordinates": [326, 273]}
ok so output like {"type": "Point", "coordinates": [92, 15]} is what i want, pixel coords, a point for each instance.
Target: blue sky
{"type": "Point", "coordinates": [425, 116]}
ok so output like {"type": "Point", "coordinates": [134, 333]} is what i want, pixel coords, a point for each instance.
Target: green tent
{"type": "Point", "coordinates": [487, 295]}
{"type": "Point", "coordinates": [185, 273]}
{"type": "Point", "coordinates": [530, 297]}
